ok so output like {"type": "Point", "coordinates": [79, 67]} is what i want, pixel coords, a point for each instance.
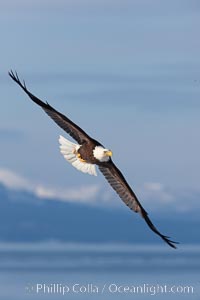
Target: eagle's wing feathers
{"type": "Point", "coordinates": [119, 184]}
{"type": "Point", "coordinates": [66, 124]}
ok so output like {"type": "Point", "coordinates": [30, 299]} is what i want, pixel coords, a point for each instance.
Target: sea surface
{"type": "Point", "coordinates": [98, 271]}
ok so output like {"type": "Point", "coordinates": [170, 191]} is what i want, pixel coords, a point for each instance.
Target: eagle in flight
{"type": "Point", "coordinates": [88, 154]}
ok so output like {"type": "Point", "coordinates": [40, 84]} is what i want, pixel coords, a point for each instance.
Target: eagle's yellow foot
{"type": "Point", "coordinates": [82, 160]}
{"type": "Point", "coordinates": [79, 157]}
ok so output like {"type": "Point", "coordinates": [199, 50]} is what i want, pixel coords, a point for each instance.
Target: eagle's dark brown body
{"type": "Point", "coordinates": [86, 152]}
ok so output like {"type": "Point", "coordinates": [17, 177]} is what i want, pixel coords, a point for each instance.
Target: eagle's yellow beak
{"type": "Point", "coordinates": [108, 153]}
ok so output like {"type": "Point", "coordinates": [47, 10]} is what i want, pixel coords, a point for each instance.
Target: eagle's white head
{"type": "Point", "coordinates": [102, 154]}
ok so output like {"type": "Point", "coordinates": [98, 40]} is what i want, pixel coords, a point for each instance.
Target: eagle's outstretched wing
{"type": "Point", "coordinates": [66, 124]}
{"type": "Point", "coordinates": [120, 185]}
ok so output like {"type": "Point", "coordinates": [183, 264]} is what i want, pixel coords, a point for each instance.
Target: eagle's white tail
{"type": "Point", "coordinates": [69, 151]}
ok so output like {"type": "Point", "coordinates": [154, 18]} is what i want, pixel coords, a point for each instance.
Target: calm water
{"type": "Point", "coordinates": [53, 271]}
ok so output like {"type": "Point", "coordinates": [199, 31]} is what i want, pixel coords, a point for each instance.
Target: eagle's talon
{"type": "Point", "coordinates": [80, 158]}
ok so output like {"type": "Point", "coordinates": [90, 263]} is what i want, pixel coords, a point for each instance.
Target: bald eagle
{"type": "Point", "coordinates": [88, 154]}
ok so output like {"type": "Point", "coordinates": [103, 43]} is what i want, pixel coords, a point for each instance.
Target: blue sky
{"type": "Point", "coordinates": [128, 72]}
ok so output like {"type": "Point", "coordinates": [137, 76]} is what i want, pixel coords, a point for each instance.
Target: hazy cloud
{"type": "Point", "coordinates": [152, 195]}
{"type": "Point", "coordinates": [12, 180]}
{"type": "Point", "coordinates": [158, 192]}
{"type": "Point", "coordinates": [80, 193]}
{"type": "Point", "coordinates": [156, 196]}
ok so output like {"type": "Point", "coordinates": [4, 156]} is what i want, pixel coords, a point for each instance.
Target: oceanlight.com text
{"type": "Point", "coordinates": [150, 289]}
{"type": "Point", "coordinates": [109, 288]}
